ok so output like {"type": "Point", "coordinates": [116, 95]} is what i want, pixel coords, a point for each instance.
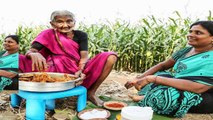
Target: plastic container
{"type": "Point", "coordinates": [136, 113]}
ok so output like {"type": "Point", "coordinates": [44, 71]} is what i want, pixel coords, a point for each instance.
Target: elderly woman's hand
{"type": "Point", "coordinates": [80, 74]}
{"type": "Point", "coordinates": [38, 61]}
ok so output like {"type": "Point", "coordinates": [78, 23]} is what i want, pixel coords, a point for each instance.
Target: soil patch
{"type": "Point", "coordinates": [113, 87]}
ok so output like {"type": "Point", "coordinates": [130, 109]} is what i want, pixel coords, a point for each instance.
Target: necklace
{"type": "Point", "coordinates": [5, 54]}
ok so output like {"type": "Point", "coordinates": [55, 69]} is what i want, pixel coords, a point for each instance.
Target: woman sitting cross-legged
{"type": "Point", "coordinates": [189, 87]}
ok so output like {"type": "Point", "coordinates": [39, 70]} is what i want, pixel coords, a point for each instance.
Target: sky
{"type": "Point", "coordinates": [37, 12]}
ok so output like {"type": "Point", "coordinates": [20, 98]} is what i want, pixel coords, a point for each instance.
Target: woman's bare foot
{"type": "Point", "coordinates": [95, 100]}
{"type": "Point", "coordinates": [136, 98]}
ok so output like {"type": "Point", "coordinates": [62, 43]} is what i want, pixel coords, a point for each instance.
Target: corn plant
{"type": "Point", "coordinates": [2, 36]}
{"type": "Point", "coordinates": [139, 46]}
{"type": "Point", "coordinates": [26, 36]}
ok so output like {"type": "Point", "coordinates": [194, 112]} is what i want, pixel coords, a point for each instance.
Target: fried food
{"type": "Point", "coordinates": [44, 77]}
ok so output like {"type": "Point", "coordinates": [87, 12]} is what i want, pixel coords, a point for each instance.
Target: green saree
{"type": "Point", "coordinates": [8, 63]}
{"type": "Point", "coordinates": [171, 101]}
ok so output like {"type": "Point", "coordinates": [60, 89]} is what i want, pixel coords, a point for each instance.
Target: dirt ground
{"type": "Point", "coordinates": [116, 81]}
{"type": "Point", "coordinates": [113, 87]}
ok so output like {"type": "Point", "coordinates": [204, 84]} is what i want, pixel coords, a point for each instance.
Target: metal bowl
{"type": "Point", "coordinates": [48, 86]}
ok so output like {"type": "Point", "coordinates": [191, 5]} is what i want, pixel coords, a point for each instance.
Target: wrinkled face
{"type": "Point", "coordinates": [10, 45]}
{"type": "Point", "coordinates": [199, 37]}
{"type": "Point", "coordinates": [63, 24]}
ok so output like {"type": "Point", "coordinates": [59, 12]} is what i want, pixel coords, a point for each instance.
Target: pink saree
{"type": "Point", "coordinates": [65, 62]}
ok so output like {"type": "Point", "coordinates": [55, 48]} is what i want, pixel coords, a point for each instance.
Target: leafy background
{"type": "Point", "coordinates": [139, 46]}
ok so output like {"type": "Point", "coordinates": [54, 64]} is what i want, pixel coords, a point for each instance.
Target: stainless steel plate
{"type": "Point", "coordinates": [47, 86]}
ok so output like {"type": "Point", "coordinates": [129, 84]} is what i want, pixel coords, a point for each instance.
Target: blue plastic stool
{"type": "Point", "coordinates": [38, 102]}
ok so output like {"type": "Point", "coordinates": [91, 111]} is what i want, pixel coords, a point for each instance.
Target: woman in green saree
{"type": "Point", "coordinates": [9, 63]}
{"type": "Point", "coordinates": [189, 87]}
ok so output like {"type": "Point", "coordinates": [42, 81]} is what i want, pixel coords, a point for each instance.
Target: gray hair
{"type": "Point", "coordinates": [61, 13]}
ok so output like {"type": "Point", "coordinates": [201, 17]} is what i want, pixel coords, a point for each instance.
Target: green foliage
{"type": "Point", "coordinates": [139, 46]}
{"type": "Point", "coordinates": [26, 36]}
{"type": "Point", "coordinates": [2, 36]}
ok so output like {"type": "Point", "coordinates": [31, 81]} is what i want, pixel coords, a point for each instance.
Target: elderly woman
{"type": "Point", "coordinates": [9, 63]}
{"type": "Point", "coordinates": [189, 88]}
{"type": "Point", "coordinates": [65, 50]}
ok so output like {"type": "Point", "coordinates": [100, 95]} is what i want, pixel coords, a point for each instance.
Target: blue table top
{"type": "Point", "coordinates": [52, 95]}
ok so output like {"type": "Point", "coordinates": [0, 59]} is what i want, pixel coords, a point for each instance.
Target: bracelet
{"type": "Point", "coordinates": [82, 63]}
{"type": "Point", "coordinates": [155, 79]}
{"type": "Point", "coordinates": [30, 52]}
{"type": "Point", "coordinates": [27, 54]}
{"type": "Point", "coordinates": [80, 68]}
{"type": "Point", "coordinates": [147, 79]}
